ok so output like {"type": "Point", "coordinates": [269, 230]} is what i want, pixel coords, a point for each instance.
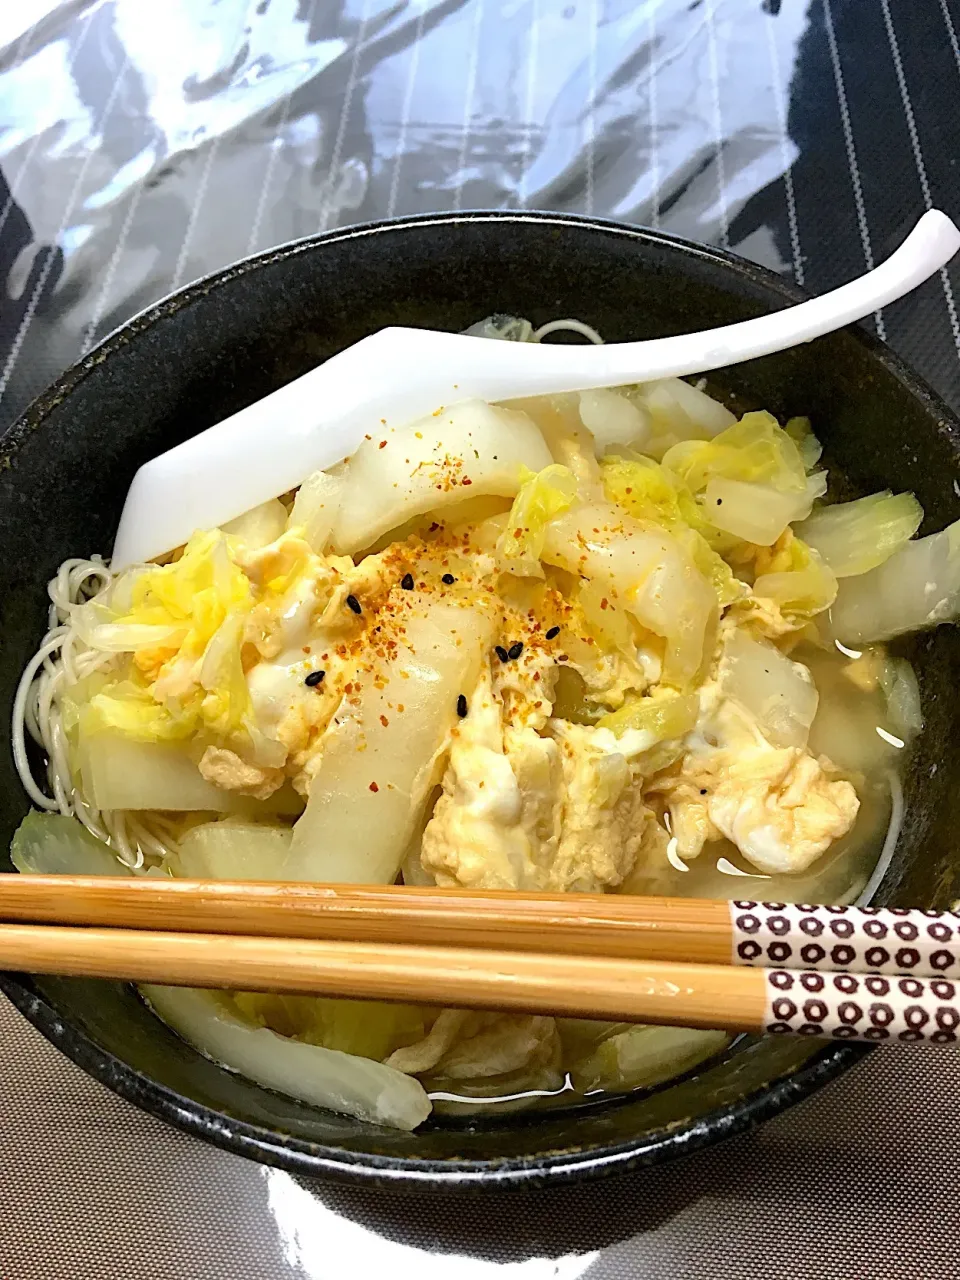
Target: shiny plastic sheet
{"type": "Point", "coordinates": [142, 145]}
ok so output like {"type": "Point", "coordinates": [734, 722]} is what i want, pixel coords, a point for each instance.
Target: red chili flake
{"type": "Point", "coordinates": [374, 787]}
{"type": "Point", "coordinates": [518, 533]}
{"type": "Point", "coordinates": [383, 444]}
{"type": "Point", "coordinates": [466, 480]}
{"type": "Point", "coordinates": [384, 721]}
{"type": "Point", "coordinates": [368, 437]}
{"type": "Point", "coordinates": [604, 603]}
{"type": "Point", "coordinates": [627, 491]}
{"type": "Point", "coordinates": [400, 707]}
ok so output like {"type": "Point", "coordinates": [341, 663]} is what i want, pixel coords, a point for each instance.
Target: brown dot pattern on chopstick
{"type": "Point", "coordinates": [857, 1006]}
{"type": "Point", "coordinates": [865, 939]}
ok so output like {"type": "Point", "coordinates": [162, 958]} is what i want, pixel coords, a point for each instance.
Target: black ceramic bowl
{"type": "Point", "coordinates": [221, 343]}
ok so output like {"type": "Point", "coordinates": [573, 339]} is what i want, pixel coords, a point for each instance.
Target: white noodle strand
{"type": "Point", "coordinates": [28, 680]}
{"type": "Point", "coordinates": [889, 843]}
{"type": "Point", "coordinates": [571, 326]}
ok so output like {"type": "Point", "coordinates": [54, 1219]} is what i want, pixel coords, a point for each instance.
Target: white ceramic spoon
{"type": "Point", "coordinates": [398, 375]}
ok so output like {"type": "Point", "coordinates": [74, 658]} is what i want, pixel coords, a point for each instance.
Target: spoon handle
{"type": "Point", "coordinates": [507, 370]}
{"type": "Point", "coordinates": [931, 244]}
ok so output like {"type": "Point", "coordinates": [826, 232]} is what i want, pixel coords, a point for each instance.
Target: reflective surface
{"type": "Point", "coordinates": [142, 145]}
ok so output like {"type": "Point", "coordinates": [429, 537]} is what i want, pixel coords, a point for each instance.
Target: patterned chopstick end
{"type": "Point", "coordinates": [890, 940]}
{"type": "Point", "coordinates": [869, 1007]}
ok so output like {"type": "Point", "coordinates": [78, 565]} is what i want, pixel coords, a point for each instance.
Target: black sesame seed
{"type": "Point", "coordinates": [703, 791]}
{"type": "Point", "coordinates": [314, 678]}
{"type": "Point", "coordinates": [553, 633]}
{"type": "Point", "coordinates": [407, 582]}
{"type": "Point", "coordinates": [515, 650]}
{"type": "Point", "coordinates": [462, 705]}
{"type": "Point", "coordinates": [354, 604]}
{"type": "Point", "coordinates": [449, 579]}
{"type": "Point", "coordinates": [501, 653]}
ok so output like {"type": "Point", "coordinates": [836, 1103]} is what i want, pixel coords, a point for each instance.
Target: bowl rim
{"type": "Point", "coordinates": [403, 1173]}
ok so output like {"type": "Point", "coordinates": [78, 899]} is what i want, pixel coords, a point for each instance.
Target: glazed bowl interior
{"type": "Point", "coordinates": [226, 341]}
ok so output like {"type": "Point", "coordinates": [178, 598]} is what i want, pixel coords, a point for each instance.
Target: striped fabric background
{"type": "Point", "coordinates": [144, 144]}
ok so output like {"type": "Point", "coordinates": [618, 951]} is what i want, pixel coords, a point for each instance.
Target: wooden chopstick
{"type": "Point", "coordinates": [580, 924]}
{"type": "Point", "coordinates": [841, 1005]}
{"type": "Point", "coordinates": [581, 986]}
{"type": "Point", "coordinates": [685, 930]}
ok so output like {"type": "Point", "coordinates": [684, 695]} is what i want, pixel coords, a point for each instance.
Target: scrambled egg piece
{"type": "Point", "coordinates": [779, 806]}
{"type": "Point", "coordinates": [488, 831]}
{"type": "Point", "coordinates": [604, 816]}
{"type": "Point", "coordinates": [225, 769]}
{"type": "Point", "coordinates": [519, 810]}
{"type": "Point", "coordinates": [781, 810]}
